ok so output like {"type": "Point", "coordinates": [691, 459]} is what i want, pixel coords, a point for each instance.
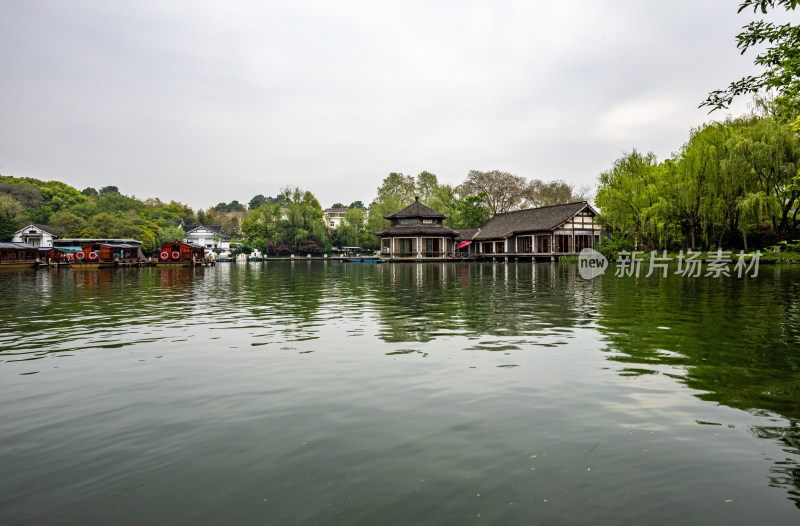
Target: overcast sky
{"type": "Point", "coordinates": [204, 102]}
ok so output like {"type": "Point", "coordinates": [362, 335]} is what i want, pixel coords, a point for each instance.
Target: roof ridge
{"type": "Point", "coordinates": [541, 207]}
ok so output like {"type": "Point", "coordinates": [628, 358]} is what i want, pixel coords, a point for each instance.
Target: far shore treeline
{"type": "Point", "coordinates": [734, 185]}
{"type": "Point", "coordinates": [290, 222]}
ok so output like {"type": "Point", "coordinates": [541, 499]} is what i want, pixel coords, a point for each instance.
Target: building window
{"type": "Point", "coordinates": [405, 247]}
{"type": "Point", "coordinates": [524, 245]}
{"type": "Point", "coordinates": [499, 247]}
{"type": "Point", "coordinates": [582, 241]}
{"type": "Point", "coordinates": [542, 244]}
{"type": "Point", "coordinates": [564, 243]}
{"type": "Point", "coordinates": [386, 245]}
{"type": "Point", "coordinates": [427, 221]}
{"type": "Point", "coordinates": [409, 221]}
{"type": "Point", "coordinates": [433, 247]}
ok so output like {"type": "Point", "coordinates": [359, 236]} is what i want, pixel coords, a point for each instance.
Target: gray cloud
{"type": "Point", "coordinates": [203, 102]}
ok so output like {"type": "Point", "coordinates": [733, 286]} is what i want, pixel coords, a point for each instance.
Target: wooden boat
{"type": "Point", "coordinates": [54, 257]}
{"type": "Point", "coordinates": [106, 255]}
{"type": "Point", "coordinates": [180, 254]}
{"type": "Point", "coordinates": [18, 255]}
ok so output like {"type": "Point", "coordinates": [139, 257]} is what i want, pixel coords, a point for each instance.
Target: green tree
{"type": "Point", "coordinates": [11, 216]}
{"type": "Point", "coordinates": [426, 185]}
{"type": "Point", "coordinates": [69, 222]}
{"type": "Point", "coordinates": [90, 192]}
{"type": "Point", "coordinates": [357, 204]}
{"type": "Point", "coordinates": [399, 186]}
{"type": "Point", "coordinates": [780, 58]}
{"type": "Point", "coordinates": [472, 211]}
{"type": "Point", "coordinates": [108, 190]}
{"type": "Point", "coordinates": [168, 234]}
{"type": "Point", "coordinates": [256, 201]}
{"type": "Point", "coordinates": [116, 203]}
{"type": "Point", "coordinates": [350, 231]}
{"type": "Point", "coordinates": [303, 227]}
{"type": "Point", "coordinates": [260, 227]}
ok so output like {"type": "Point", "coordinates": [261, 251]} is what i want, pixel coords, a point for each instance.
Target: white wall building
{"type": "Point", "coordinates": [37, 235]}
{"type": "Point", "coordinates": [209, 236]}
{"type": "Point", "coordinates": [333, 217]}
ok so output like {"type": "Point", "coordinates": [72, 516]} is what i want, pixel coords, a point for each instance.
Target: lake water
{"type": "Point", "coordinates": [332, 393]}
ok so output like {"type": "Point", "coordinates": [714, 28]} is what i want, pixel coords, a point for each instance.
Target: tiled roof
{"type": "Point", "coordinates": [213, 228]}
{"type": "Point", "coordinates": [413, 230]}
{"type": "Point", "coordinates": [502, 226]}
{"type": "Point", "coordinates": [15, 245]}
{"type": "Point", "coordinates": [51, 229]}
{"type": "Point", "coordinates": [417, 209]}
{"type": "Point", "coordinates": [466, 234]}
{"type": "Point", "coordinates": [46, 228]}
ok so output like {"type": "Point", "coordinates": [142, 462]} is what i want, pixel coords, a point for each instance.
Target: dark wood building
{"type": "Point", "coordinates": [18, 255]}
{"type": "Point", "coordinates": [549, 231]}
{"type": "Point", "coordinates": [416, 232]}
{"type": "Point", "coordinates": [179, 253]}
{"type": "Point", "coordinates": [102, 255]}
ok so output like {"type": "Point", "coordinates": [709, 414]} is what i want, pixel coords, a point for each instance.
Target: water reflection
{"type": "Point", "coordinates": [733, 341]}
{"type": "Point", "coordinates": [456, 372]}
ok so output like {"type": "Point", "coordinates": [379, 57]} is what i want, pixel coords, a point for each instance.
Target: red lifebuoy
{"type": "Point", "coordinates": [93, 255]}
{"type": "Point", "coordinates": [164, 255]}
{"type": "Point", "coordinates": [69, 257]}
{"type": "Point", "coordinates": [80, 255]}
{"type": "Point", "coordinates": [176, 255]}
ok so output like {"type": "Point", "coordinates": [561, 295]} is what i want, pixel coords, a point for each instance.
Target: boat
{"type": "Point", "coordinates": [180, 254]}
{"type": "Point", "coordinates": [18, 255]}
{"type": "Point", "coordinates": [106, 255]}
{"type": "Point", "coordinates": [362, 259]}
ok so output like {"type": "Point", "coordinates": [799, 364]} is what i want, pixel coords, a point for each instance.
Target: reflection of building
{"type": "Point", "coordinates": [208, 236]}
{"type": "Point", "coordinates": [37, 235]}
{"type": "Point", "coordinates": [417, 232]}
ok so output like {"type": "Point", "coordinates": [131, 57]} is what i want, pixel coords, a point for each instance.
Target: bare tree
{"type": "Point", "coordinates": [504, 191]}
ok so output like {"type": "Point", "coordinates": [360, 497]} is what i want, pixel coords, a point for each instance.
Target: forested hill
{"type": "Point", "coordinates": [89, 213]}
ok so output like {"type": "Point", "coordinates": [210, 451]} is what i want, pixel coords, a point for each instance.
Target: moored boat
{"type": "Point", "coordinates": [18, 255]}
{"type": "Point", "coordinates": [180, 254]}
{"type": "Point", "coordinates": [106, 255]}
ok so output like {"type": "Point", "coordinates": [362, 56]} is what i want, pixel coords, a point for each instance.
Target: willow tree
{"type": "Point", "coordinates": [302, 226]}
{"type": "Point", "coordinates": [772, 151]}
{"type": "Point", "coordinates": [260, 227]}
{"type": "Point", "coordinates": [631, 197]}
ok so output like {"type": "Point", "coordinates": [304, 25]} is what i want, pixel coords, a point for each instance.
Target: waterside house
{"type": "Point", "coordinates": [209, 236]}
{"type": "Point", "coordinates": [37, 235]}
{"type": "Point", "coordinates": [545, 232]}
{"type": "Point", "coordinates": [416, 231]}
{"type": "Point", "coordinates": [18, 255]}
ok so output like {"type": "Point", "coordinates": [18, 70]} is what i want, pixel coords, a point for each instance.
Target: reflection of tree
{"type": "Point", "coordinates": [735, 339]}
{"type": "Point", "coordinates": [418, 301]}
